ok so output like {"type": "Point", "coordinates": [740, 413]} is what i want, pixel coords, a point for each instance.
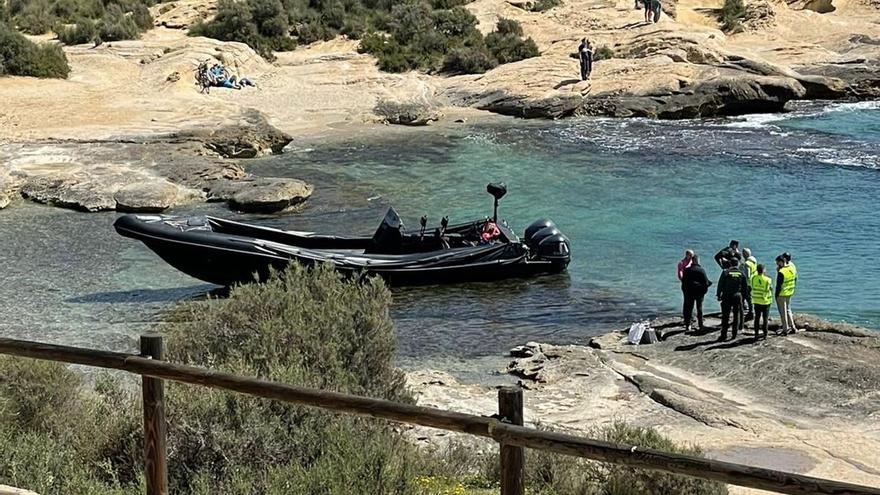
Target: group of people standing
{"type": "Point", "coordinates": [744, 290]}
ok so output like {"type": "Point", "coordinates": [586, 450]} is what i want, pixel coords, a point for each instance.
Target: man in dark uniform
{"type": "Point", "coordinates": [732, 288]}
{"type": "Point", "coordinates": [724, 256]}
{"type": "Point", "coordinates": [694, 285]}
{"type": "Point", "coordinates": [585, 55]}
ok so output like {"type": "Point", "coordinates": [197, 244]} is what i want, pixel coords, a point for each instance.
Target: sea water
{"type": "Point", "coordinates": [631, 195]}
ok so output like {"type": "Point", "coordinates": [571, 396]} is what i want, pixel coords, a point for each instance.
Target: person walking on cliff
{"type": "Point", "coordinates": [585, 55]}
{"type": "Point", "coordinates": [694, 285]}
{"type": "Point", "coordinates": [762, 296]}
{"type": "Point", "coordinates": [732, 287]}
{"type": "Point", "coordinates": [786, 283]}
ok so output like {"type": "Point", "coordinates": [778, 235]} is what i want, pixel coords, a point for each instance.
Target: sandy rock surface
{"type": "Point", "coordinates": [143, 91]}
{"type": "Point", "coordinates": [807, 403]}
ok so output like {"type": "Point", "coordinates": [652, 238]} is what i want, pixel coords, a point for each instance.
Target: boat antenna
{"type": "Point", "coordinates": [497, 190]}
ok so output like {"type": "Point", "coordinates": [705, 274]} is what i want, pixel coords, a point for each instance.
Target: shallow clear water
{"type": "Point", "coordinates": [631, 195]}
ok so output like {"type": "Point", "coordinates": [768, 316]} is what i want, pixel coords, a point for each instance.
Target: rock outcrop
{"type": "Point", "coordinates": [804, 403]}
{"type": "Point", "coordinates": [250, 137]}
{"type": "Point", "coordinates": [721, 96]}
{"type": "Point", "coordinates": [153, 196]}
{"type": "Point", "coordinates": [415, 112]}
{"type": "Point", "coordinates": [8, 188]}
{"type": "Point", "coordinates": [263, 195]}
{"type": "Point", "coordinates": [136, 177]}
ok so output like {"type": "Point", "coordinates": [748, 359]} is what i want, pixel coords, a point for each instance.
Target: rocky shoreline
{"type": "Point", "coordinates": [806, 403]}
{"type": "Point", "coordinates": [153, 173]}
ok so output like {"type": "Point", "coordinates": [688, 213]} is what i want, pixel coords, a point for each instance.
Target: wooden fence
{"type": "Point", "coordinates": [505, 427]}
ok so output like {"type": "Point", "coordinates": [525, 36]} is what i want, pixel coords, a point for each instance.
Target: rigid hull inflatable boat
{"type": "Point", "coordinates": [226, 252]}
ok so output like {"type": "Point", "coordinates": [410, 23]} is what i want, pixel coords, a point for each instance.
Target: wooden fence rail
{"type": "Point", "coordinates": [505, 433]}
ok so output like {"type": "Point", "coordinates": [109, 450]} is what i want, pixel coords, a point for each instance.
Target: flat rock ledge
{"type": "Point", "coordinates": [263, 194]}
{"type": "Point", "coordinates": [720, 96]}
{"type": "Point", "coordinates": [137, 177]}
{"type": "Point", "coordinates": [807, 403]}
{"type": "Point", "coordinates": [249, 137]}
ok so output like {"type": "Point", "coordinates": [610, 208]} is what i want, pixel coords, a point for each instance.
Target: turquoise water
{"type": "Point", "coordinates": [631, 195]}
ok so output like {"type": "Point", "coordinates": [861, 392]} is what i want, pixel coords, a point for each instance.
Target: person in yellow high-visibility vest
{"type": "Point", "coordinates": [762, 297]}
{"type": "Point", "coordinates": [786, 283]}
{"type": "Point", "coordinates": [749, 266]}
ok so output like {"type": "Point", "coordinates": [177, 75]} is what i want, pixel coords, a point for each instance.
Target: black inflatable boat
{"type": "Point", "coordinates": [226, 252]}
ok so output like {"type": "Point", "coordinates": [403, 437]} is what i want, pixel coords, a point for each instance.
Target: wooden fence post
{"type": "Point", "coordinates": [510, 408]}
{"type": "Point", "coordinates": [155, 459]}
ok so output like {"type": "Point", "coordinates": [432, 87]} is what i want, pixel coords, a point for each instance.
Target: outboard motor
{"type": "Point", "coordinates": [546, 242]}
{"type": "Point", "coordinates": [534, 228]}
{"type": "Point", "coordinates": [556, 249]}
{"type": "Point", "coordinates": [539, 236]}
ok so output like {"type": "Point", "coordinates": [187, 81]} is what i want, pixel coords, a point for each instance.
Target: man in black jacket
{"type": "Point", "coordinates": [694, 285]}
{"type": "Point", "coordinates": [732, 288]}
{"type": "Point", "coordinates": [724, 256]}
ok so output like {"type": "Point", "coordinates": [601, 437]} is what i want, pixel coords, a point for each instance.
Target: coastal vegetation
{"type": "Point", "coordinates": [732, 14]}
{"type": "Point", "coordinates": [21, 57]}
{"type": "Point", "coordinates": [72, 20]}
{"type": "Point", "coordinates": [308, 327]}
{"type": "Point", "coordinates": [416, 35]}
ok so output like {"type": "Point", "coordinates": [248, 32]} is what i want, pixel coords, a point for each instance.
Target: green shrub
{"type": "Point", "coordinates": [21, 57]}
{"type": "Point", "coordinates": [84, 31]}
{"type": "Point", "coordinates": [117, 26]}
{"type": "Point", "coordinates": [508, 26]}
{"type": "Point", "coordinates": [261, 24]}
{"type": "Point", "coordinates": [307, 328]}
{"type": "Point", "coordinates": [732, 13]}
{"type": "Point", "coordinates": [542, 5]}
{"type": "Point", "coordinates": [448, 4]}
{"type": "Point", "coordinates": [507, 45]}
{"type": "Point", "coordinates": [36, 18]}
{"type": "Point", "coordinates": [57, 438]}
{"type": "Point", "coordinates": [551, 473]}
{"type": "Point", "coordinates": [457, 23]}
{"type": "Point", "coordinates": [603, 53]}
{"type": "Point", "coordinates": [469, 60]}
{"type": "Point", "coordinates": [4, 12]}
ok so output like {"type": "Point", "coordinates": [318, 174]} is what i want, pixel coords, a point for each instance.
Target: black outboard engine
{"type": "Point", "coordinates": [532, 229]}
{"type": "Point", "coordinates": [556, 249]}
{"type": "Point", "coordinates": [546, 242]}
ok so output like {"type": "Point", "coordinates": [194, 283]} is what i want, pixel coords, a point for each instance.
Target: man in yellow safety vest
{"type": "Point", "coordinates": [762, 297]}
{"type": "Point", "coordinates": [749, 265]}
{"type": "Point", "coordinates": [786, 283]}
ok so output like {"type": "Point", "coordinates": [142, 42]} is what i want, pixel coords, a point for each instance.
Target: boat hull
{"type": "Point", "coordinates": [229, 259]}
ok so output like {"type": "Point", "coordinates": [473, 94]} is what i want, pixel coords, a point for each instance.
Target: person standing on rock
{"type": "Point", "coordinates": [786, 283]}
{"type": "Point", "coordinates": [749, 265]}
{"type": "Point", "coordinates": [694, 285]}
{"type": "Point", "coordinates": [585, 55]}
{"type": "Point", "coordinates": [726, 255]}
{"type": "Point", "coordinates": [732, 287]}
{"type": "Point", "coordinates": [762, 296]}
{"type": "Point", "coordinates": [684, 263]}
{"type": "Point", "coordinates": [657, 7]}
